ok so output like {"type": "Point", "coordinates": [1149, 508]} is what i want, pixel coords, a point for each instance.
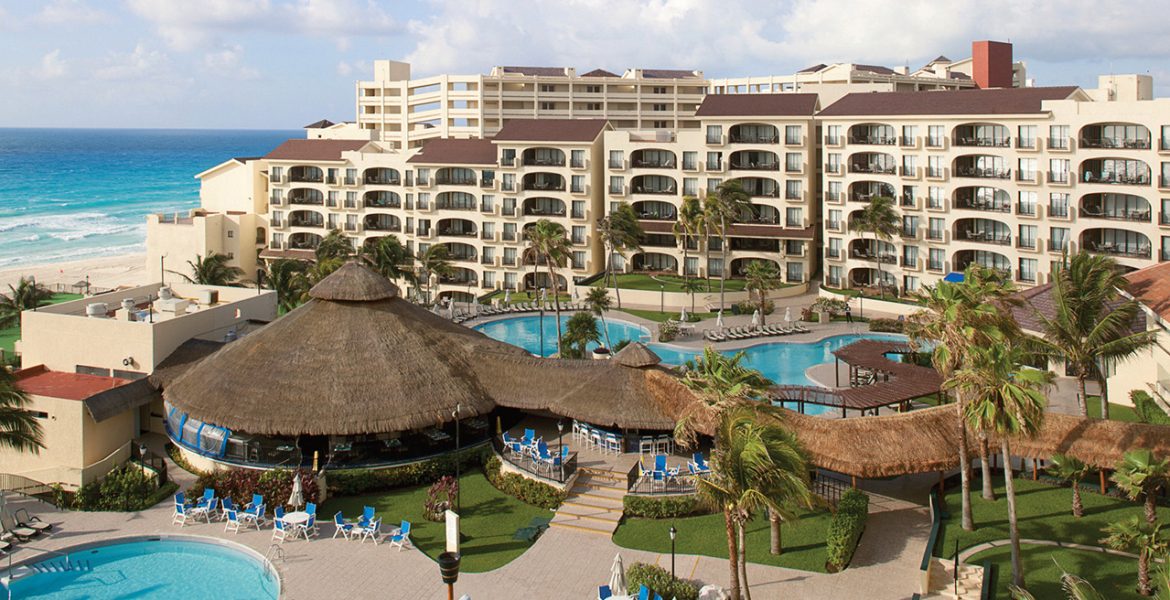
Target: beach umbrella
{"type": "Point", "coordinates": [756, 318]}
{"type": "Point", "coordinates": [719, 320]}
{"type": "Point", "coordinates": [788, 314]}
{"type": "Point", "coordinates": [507, 296]}
{"type": "Point", "coordinates": [543, 296]}
{"type": "Point", "coordinates": [617, 575]}
{"type": "Point", "coordinates": [451, 310]}
{"type": "Point", "coordinates": [297, 497]}
{"type": "Point", "coordinates": [682, 315]}
{"type": "Point", "coordinates": [576, 295]}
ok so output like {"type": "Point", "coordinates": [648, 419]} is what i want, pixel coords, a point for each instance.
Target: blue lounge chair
{"type": "Point", "coordinates": [345, 529]}
{"type": "Point", "coordinates": [231, 521]}
{"type": "Point", "coordinates": [699, 465]}
{"type": "Point", "coordinates": [401, 536]}
{"type": "Point", "coordinates": [603, 592]}
{"type": "Point", "coordinates": [529, 436]}
{"type": "Point", "coordinates": [643, 593]}
{"type": "Point", "coordinates": [255, 514]}
{"type": "Point", "coordinates": [367, 516]}
{"type": "Point", "coordinates": [371, 531]}
{"type": "Point", "coordinates": [225, 504]}
{"type": "Point", "coordinates": [660, 462]}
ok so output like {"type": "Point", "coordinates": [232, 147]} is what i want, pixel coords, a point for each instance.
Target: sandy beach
{"type": "Point", "coordinates": [103, 272]}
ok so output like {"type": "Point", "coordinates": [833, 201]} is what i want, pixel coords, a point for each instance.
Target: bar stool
{"type": "Point", "coordinates": [646, 445]}
{"type": "Point", "coordinates": [664, 444]}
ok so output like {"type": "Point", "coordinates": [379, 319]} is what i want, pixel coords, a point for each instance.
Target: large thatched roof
{"type": "Point", "coordinates": [356, 358]}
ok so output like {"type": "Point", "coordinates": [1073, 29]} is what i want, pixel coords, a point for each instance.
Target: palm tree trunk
{"type": "Point", "coordinates": [617, 289]}
{"type": "Point", "coordinates": [605, 329]}
{"type": "Point", "coordinates": [964, 468]}
{"type": "Point", "coordinates": [1144, 573]}
{"type": "Point", "coordinates": [1013, 524]}
{"type": "Point", "coordinates": [1082, 399]}
{"type": "Point", "coordinates": [732, 554]}
{"type": "Point", "coordinates": [1078, 509]}
{"type": "Point", "coordinates": [743, 564]}
{"type": "Point", "coordinates": [686, 275]}
{"type": "Point", "coordinates": [552, 275]}
{"type": "Point", "coordinates": [775, 542]}
{"type": "Point", "coordinates": [1103, 384]}
{"type": "Point", "coordinates": [1151, 507]}
{"type": "Point", "coordinates": [723, 259]}
{"type": "Point", "coordinates": [985, 465]}
{"type": "Point", "coordinates": [881, 274]}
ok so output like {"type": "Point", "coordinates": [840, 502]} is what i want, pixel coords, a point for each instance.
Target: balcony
{"type": "Point", "coordinates": [1126, 136]}
{"type": "Point", "coordinates": [382, 223]}
{"type": "Point", "coordinates": [983, 142]}
{"type": "Point", "coordinates": [983, 172]}
{"type": "Point", "coordinates": [752, 166]}
{"type": "Point", "coordinates": [1125, 143]}
{"type": "Point", "coordinates": [544, 207]}
{"type": "Point", "coordinates": [1116, 242]}
{"type": "Point", "coordinates": [653, 184]}
{"type": "Point", "coordinates": [306, 222]}
{"type": "Point", "coordinates": [306, 196]}
{"type": "Point", "coordinates": [653, 159]}
{"type": "Point", "coordinates": [382, 176]}
{"type": "Point", "coordinates": [305, 175]}
{"type": "Point", "coordinates": [1116, 208]}
{"type": "Point", "coordinates": [544, 157]}
{"type": "Point", "coordinates": [455, 232]}
{"type": "Point", "coordinates": [752, 134]}
{"type": "Point", "coordinates": [984, 237]}
{"type": "Point", "coordinates": [1000, 202]}
{"type": "Point", "coordinates": [544, 182]}
{"type": "Point", "coordinates": [1115, 171]}
{"type": "Point", "coordinates": [381, 200]}
{"type": "Point", "coordinates": [444, 179]}
{"type": "Point", "coordinates": [875, 168]}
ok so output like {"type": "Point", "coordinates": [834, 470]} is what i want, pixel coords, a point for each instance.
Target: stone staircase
{"type": "Point", "coordinates": [594, 504]}
{"type": "Point", "coordinates": [942, 581]}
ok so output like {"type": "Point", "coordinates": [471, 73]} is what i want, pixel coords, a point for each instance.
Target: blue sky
{"type": "Point", "coordinates": [283, 63]}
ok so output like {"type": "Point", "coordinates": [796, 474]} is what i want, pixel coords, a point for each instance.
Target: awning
{"type": "Point", "coordinates": [954, 277]}
{"type": "Point", "coordinates": [116, 401]}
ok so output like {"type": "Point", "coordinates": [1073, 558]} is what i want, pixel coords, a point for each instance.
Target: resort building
{"type": "Point", "coordinates": [1150, 370]}
{"type": "Point", "coordinates": [85, 366]}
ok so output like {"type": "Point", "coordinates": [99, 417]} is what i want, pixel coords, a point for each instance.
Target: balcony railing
{"type": "Point", "coordinates": [383, 180]}
{"type": "Point", "coordinates": [544, 162]}
{"type": "Point", "coordinates": [455, 233]}
{"type": "Point", "coordinates": [312, 200]}
{"type": "Point", "coordinates": [737, 138]}
{"type": "Point", "coordinates": [454, 206]}
{"type": "Point", "coordinates": [654, 164]}
{"type": "Point", "coordinates": [983, 237]}
{"type": "Point", "coordinates": [302, 178]}
{"type": "Point", "coordinates": [750, 166]}
{"type": "Point", "coordinates": [878, 140]}
{"type": "Point", "coordinates": [446, 180]}
{"type": "Point", "coordinates": [382, 204]}
{"type": "Point", "coordinates": [542, 212]}
{"type": "Point", "coordinates": [544, 186]}
{"type": "Point", "coordinates": [983, 173]}
{"type": "Point", "coordinates": [305, 223]}
{"type": "Point", "coordinates": [1116, 179]}
{"type": "Point", "coordinates": [1058, 177]}
{"type": "Point", "coordinates": [982, 205]}
{"type": "Point", "coordinates": [382, 226]}
{"type": "Point", "coordinates": [666, 191]}
{"type": "Point", "coordinates": [1135, 215]}
{"type": "Point", "coordinates": [888, 259]}
{"type": "Point", "coordinates": [983, 142]}
{"type": "Point", "coordinates": [872, 168]}
{"type": "Point", "coordinates": [1126, 143]}
{"type": "Point", "coordinates": [1118, 250]}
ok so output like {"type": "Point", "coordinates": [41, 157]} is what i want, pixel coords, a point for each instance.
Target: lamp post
{"type": "Point", "coordinates": [449, 570]}
{"type": "Point", "coordinates": [662, 298]}
{"type": "Point", "coordinates": [455, 414]}
{"type": "Point", "coordinates": [673, 535]}
{"type": "Point", "coordinates": [560, 445]}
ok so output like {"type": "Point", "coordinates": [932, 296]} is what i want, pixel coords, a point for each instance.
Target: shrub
{"type": "Point", "coordinates": [748, 307]}
{"type": "Point", "coordinates": [353, 482]}
{"type": "Point", "coordinates": [665, 507]}
{"type": "Point", "coordinates": [126, 488]}
{"type": "Point", "coordinates": [180, 459]}
{"type": "Point", "coordinates": [440, 497]}
{"type": "Point", "coordinates": [522, 488]}
{"type": "Point", "coordinates": [658, 580]}
{"type": "Point", "coordinates": [239, 485]}
{"type": "Point", "coordinates": [886, 325]}
{"type": "Point", "coordinates": [833, 306]}
{"type": "Point", "coordinates": [845, 529]}
{"type": "Point", "coordinates": [667, 331]}
{"type": "Point", "coordinates": [1147, 409]}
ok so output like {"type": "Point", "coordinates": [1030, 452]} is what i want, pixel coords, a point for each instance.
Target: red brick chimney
{"type": "Point", "coordinates": [991, 64]}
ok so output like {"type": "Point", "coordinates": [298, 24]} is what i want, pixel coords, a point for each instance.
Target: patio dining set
{"type": "Point", "coordinates": [533, 448]}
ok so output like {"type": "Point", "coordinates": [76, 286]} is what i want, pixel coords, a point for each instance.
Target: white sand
{"type": "Point", "coordinates": [103, 272]}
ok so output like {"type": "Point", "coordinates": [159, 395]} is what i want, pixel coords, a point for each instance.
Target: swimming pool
{"type": "Point", "coordinates": [525, 332]}
{"type": "Point", "coordinates": [168, 567]}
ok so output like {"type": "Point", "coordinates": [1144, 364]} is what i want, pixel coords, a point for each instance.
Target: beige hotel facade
{"type": "Point", "coordinates": [980, 172]}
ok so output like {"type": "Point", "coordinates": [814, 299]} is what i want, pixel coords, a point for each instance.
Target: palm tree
{"type": "Point", "coordinates": [1090, 325]}
{"type": "Point", "coordinates": [288, 278]}
{"type": "Point", "coordinates": [580, 331]}
{"type": "Point", "coordinates": [620, 233]}
{"type": "Point", "coordinates": [20, 430]}
{"type": "Point", "coordinates": [726, 206]}
{"type": "Point", "coordinates": [548, 240]}
{"type": "Point", "coordinates": [1141, 475]}
{"type": "Point", "coordinates": [334, 246]}
{"type": "Point", "coordinates": [1146, 538]}
{"type": "Point", "coordinates": [26, 295]}
{"type": "Point", "coordinates": [432, 262]}
{"type": "Point", "coordinates": [212, 270]}
{"type": "Point", "coordinates": [389, 257]}
{"type": "Point", "coordinates": [686, 226]}
{"type": "Point", "coordinates": [598, 302]}
{"type": "Point", "coordinates": [1008, 400]}
{"type": "Point", "coordinates": [719, 381]}
{"type": "Point", "coordinates": [691, 286]}
{"type": "Point", "coordinates": [762, 275]}
{"type": "Point", "coordinates": [881, 219]}
{"type": "Point", "coordinates": [757, 465]}
{"type": "Point", "coordinates": [1067, 468]}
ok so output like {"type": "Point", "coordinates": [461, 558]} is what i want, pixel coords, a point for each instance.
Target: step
{"type": "Point", "coordinates": [603, 474]}
{"type": "Point", "coordinates": [595, 492]}
{"type": "Point", "coordinates": [599, 502]}
{"type": "Point", "coordinates": [593, 482]}
{"type": "Point", "coordinates": [584, 525]}
{"type": "Point", "coordinates": [585, 512]}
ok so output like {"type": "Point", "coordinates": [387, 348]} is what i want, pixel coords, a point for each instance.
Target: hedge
{"type": "Point", "coordinates": [125, 488]}
{"type": "Point", "coordinates": [1147, 410]}
{"type": "Point", "coordinates": [354, 482]}
{"type": "Point", "coordinates": [659, 581]}
{"type": "Point", "coordinates": [845, 529]}
{"type": "Point", "coordinates": [240, 484]}
{"type": "Point", "coordinates": [886, 325]}
{"type": "Point", "coordinates": [522, 488]}
{"type": "Point", "coordinates": [665, 507]}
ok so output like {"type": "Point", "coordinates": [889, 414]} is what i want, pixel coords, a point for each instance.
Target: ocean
{"type": "Point", "coordinates": [71, 194]}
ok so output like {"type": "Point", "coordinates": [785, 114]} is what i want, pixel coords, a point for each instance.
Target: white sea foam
{"type": "Point", "coordinates": [74, 254]}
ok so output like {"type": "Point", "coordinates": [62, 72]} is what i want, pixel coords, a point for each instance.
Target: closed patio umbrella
{"type": "Point", "coordinates": [297, 497]}
{"type": "Point", "coordinates": [617, 576]}
{"type": "Point", "coordinates": [507, 296]}
{"type": "Point", "coordinates": [682, 315]}
{"type": "Point", "coordinates": [719, 320]}
{"type": "Point", "coordinates": [788, 315]}
{"type": "Point", "coordinates": [756, 318]}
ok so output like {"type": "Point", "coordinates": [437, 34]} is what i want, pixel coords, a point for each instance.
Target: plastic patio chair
{"type": "Point", "coordinates": [231, 521]}
{"type": "Point", "coordinates": [401, 536]}
{"type": "Point", "coordinates": [345, 529]}
{"type": "Point", "coordinates": [603, 592]}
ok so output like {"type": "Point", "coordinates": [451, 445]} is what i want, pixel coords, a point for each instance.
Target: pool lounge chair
{"type": "Point", "coordinates": [699, 465]}
{"type": "Point", "coordinates": [343, 528]}
{"type": "Point", "coordinates": [254, 514]}
{"type": "Point", "coordinates": [9, 526]}
{"type": "Point", "coordinates": [24, 519]}
{"type": "Point", "coordinates": [401, 537]}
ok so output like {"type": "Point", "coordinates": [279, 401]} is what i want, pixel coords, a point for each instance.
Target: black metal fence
{"type": "Point", "coordinates": [532, 465]}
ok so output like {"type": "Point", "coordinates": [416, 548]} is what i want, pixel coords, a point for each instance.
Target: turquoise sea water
{"type": "Point", "coordinates": [68, 194]}
{"type": "Point", "coordinates": [165, 568]}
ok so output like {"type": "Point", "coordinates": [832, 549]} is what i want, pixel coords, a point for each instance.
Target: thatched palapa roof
{"type": "Point", "coordinates": [636, 355]}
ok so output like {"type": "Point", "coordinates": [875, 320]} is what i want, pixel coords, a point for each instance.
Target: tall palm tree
{"type": "Point", "coordinates": [1006, 399]}
{"type": "Point", "coordinates": [1146, 538]}
{"type": "Point", "coordinates": [1090, 327]}
{"type": "Point", "coordinates": [881, 219]}
{"type": "Point", "coordinates": [27, 294]}
{"type": "Point", "coordinates": [1141, 475]}
{"type": "Point", "coordinates": [598, 302]}
{"type": "Point", "coordinates": [432, 262]}
{"type": "Point", "coordinates": [580, 331]}
{"type": "Point", "coordinates": [1067, 468]}
{"type": "Point", "coordinates": [726, 206]}
{"type": "Point", "coordinates": [691, 286]}
{"type": "Point", "coordinates": [389, 257]}
{"type": "Point", "coordinates": [758, 465]}
{"type": "Point", "coordinates": [334, 246]}
{"type": "Point", "coordinates": [620, 233]}
{"type": "Point", "coordinates": [686, 226]}
{"type": "Point", "coordinates": [212, 270]}
{"type": "Point", "coordinates": [20, 430]}
{"type": "Point", "coordinates": [548, 240]}
{"type": "Point", "coordinates": [720, 382]}
{"type": "Point", "coordinates": [288, 277]}
{"type": "Point", "coordinates": [762, 275]}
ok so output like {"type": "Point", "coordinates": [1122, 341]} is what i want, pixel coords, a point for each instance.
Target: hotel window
{"type": "Point", "coordinates": [792, 189]}
{"type": "Point", "coordinates": [690, 161]}
{"type": "Point", "coordinates": [277, 174]}
{"type": "Point", "coordinates": [617, 184]}
{"type": "Point", "coordinates": [422, 176]}
{"type": "Point", "coordinates": [548, 87]}
{"type": "Point", "coordinates": [1026, 138]}
{"type": "Point", "coordinates": [350, 176]}
{"type": "Point", "coordinates": [793, 162]}
{"type": "Point", "coordinates": [690, 186]}
{"type": "Point", "coordinates": [332, 220]}
{"type": "Point", "coordinates": [507, 157]}
{"type": "Point", "coordinates": [691, 266]}
{"type": "Point", "coordinates": [714, 267]}
{"type": "Point", "coordinates": [1165, 137]}
{"type": "Point", "coordinates": [331, 199]}
{"type": "Point", "coordinates": [936, 229]}
{"type": "Point", "coordinates": [659, 90]}
{"type": "Point", "coordinates": [794, 217]}
{"type": "Point", "coordinates": [909, 133]}
{"type": "Point", "coordinates": [835, 188]}
{"type": "Point", "coordinates": [792, 134]}
{"type": "Point", "coordinates": [1027, 204]}
{"type": "Point", "coordinates": [424, 200]}
{"type": "Point", "coordinates": [593, 89]}
{"type": "Point", "coordinates": [833, 163]}
{"type": "Point", "coordinates": [1058, 137]}
{"type": "Point", "coordinates": [351, 199]}
{"type": "Point", "coordinates": [834, 248]}
{"type": "Point", "coordinates": [1058, 205]}
{"type": "Point", "coordinates": [713, 184]}
{"type": "Point", "coordinates": [510, 279]}
{"type": "Point", "coordinates": [578, 234]}
{"type": "Point", "coordinates": [936, 261]}
{"type": "Point", "coordinates": [658, 107]}
{"type": "Point", "coordinates": [1027, 237]}
{"type": "Point", "coordinates": [714, 134]}
{"type": "Point", "coordinates": [489, 277]}
{"type": "Point", "coordinates": [910, 226]}
{"type": "Point", "coordinates": [409, 226]}
{"type": "Point", "coordinates": [795, 272]}
{"type": "Point", "coordinates": [577, 159]}
{"type": "Point", "coordinates": [909, 195]}
{"type": "Point", "coordinates": [277, 196]}
{"type": "Point", "coordinates": [578, 260]}
{"type": "Point", "coordinates": [548, 106]}
{"type": "Point", "coordinates": [835, 219]}
{"type": "Point", "coordinates": [1028, 268]}
{"type": "Point", "coordinates": [231, 234]}
{"type": "Point", "coordinates": [661, 125]}
{"type": "Point", "coordinates": [834, 277]}
{"type": "Point", "coordinates": [935, 134]}
{"type": "Point", "coordinates": [714, 161]}
{"type": "Point", "coordinates": [1058, 170]}
{"type": "Point", "coordinates": [578, 184]}
{"type": "Point", "coordinates": [487, 204]}
{"type": "Point", "coordinates": [833, 134]}
{"type": "Point", "coordinates": [276, 217]}
{"type": "Point", "coordinates": [909, 165]}
{"type": "Point", "coordinates": [508, 181]}
{"type": "Point", "coordinates": [1027, 169]}
{"type": "Point", "coordinates": [1058, 239]}
{"type": "Point", "coordinates": [592, 106]}
{"type": "Point", "coordinates": [934, 166]}
{"type": "Point", "coordinates": [489, 232]}
{"type": "Point", "coordinates": [934, 198]}
{"type": "Point", "coordinates": [794, 247]}
{"type": "Point", "coordinates": [617, 159]}
{"type": "Point", "coordinates": [910, 283]}
{"type": "Point", "coordinates": [910, 257]}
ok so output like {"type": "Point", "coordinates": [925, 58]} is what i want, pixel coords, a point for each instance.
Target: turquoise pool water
{"type": "Point", "coordinates": [525, 332]}
{"type": "Point", "coordinates": [157, 568]}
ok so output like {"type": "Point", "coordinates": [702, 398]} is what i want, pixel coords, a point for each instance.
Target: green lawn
{"type": "Point", "coordinates": [673, 283]}
{"type": "Point", "coordinates": [489, 520]}
{"type": "Point", "coordinates": [653, 315]}
{"type": "Point", "coordinates": [9, 335]}
{"type": "Point", "coordinates": [1045, 513]}
{"type": "Point", "coordinates": [518, 297]}
{"type": "Point", "coordinates": [1113, 576]}
{"type": "Point", "coordinates": [803, 541]}
{"type": "Point", "coordinates": [1117, 412]}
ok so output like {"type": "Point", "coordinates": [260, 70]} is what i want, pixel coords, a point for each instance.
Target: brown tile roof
{"type": "Point", "coordinates": [600, 73]}
{"type": "Point", "coordinates": [668, 74]}
{"type": "Point", "coordinates": [456, 152]}
{"type": "Point", "coordinates": [322, 124]}
{"type": "Point", "coordinates": [40, 381]}
{"type": "Point", "coordinates": [880, 70]}
{"type": "Point", "coordinates": [1039, 300]}
{"type": "Point", "coordinates": [547, 71]}
{"type": "Point", "coordinates": [815, 68]}
{"type": "Point", "coordinates": [551, 130]}
{"type": "Point", "coordinates": [1151, 287]}
{"type": "Point", "coordinates": [299, 254]}
{"type": "Point", "coordinates": [1005, 101]}
{"type": "Point", "coordinates": [314, 149]}
{"type": "Point", "coordinates": [758, 105]}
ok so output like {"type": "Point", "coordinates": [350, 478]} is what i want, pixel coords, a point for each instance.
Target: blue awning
{"type": "Point", "coordinates": [954, 277]}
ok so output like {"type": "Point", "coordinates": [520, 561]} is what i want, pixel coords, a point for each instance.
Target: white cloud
{"type": "Point", "coordinates": [52, 65]}
{"type": "Point", "coordinates": [61, 12]}
{"type": "Point", "coordinates": [140, 64]}
{"type": "Point", "coordinates": [344, 69]}
{"type": "Point", "coordinates": [228, 61]}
